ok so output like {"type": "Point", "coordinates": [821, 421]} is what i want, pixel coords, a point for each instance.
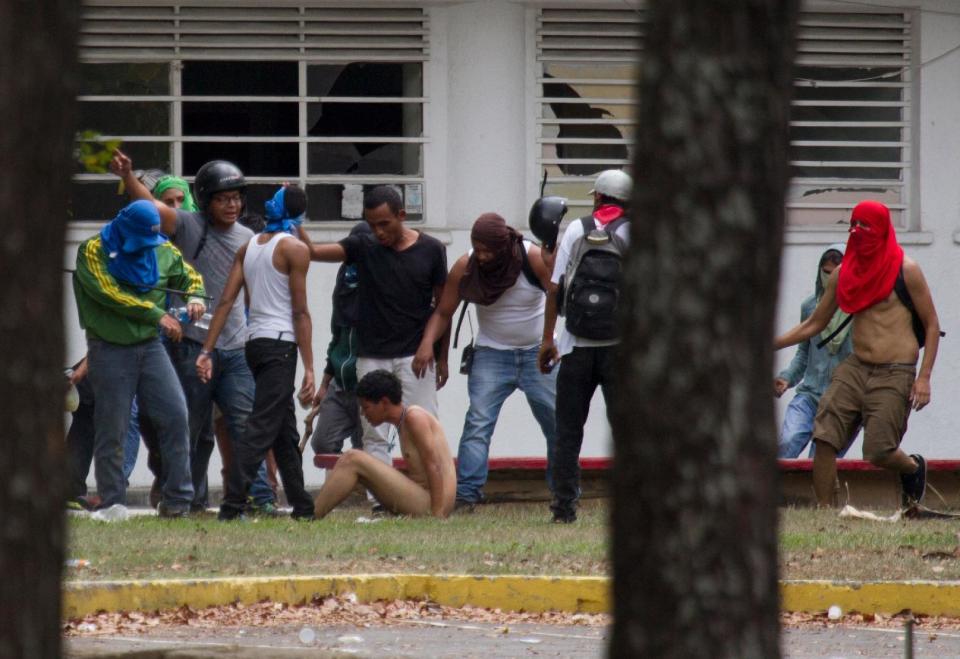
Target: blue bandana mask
{"type": "Point", "coordinates": [277, 217]}
{"type": "Point", "coordinates": [130, 241]}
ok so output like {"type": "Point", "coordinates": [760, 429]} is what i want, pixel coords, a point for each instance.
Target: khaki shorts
{"type": "Point", "coordinates": [874, 395]}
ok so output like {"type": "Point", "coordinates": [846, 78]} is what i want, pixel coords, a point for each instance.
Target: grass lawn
{"type": "Point", "coordinates": [496, 539]}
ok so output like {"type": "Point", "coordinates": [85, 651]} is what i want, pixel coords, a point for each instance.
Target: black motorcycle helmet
{"type": "Point", "coordinates": [545, 217]}
{"type": "Point", "coordinates": [216, 176]}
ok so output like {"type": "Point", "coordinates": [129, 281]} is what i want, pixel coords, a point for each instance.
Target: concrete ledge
{"type": "Point", "coordinates": [934, 598]}
{"type": "Point", "coordinates": [512, 593]}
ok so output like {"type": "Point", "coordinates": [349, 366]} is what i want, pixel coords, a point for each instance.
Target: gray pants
{"type": "Point", "coordinates": [338, 419]}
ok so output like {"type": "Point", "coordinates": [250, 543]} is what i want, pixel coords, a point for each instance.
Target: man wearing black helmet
{"type": "Point", "coordinates": [209, 240]}
{"type": "Point", "coordinates": [584, 349]}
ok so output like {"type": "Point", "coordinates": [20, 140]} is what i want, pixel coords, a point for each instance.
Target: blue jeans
{"type": "Point", "coordinates": [117, 374]}
{"type": "Point", "coordinates": [797, 429]}
{"type": "Point", "coordinates": [495, 375]}
{"type": "Point", "coordinates": [231, 388]}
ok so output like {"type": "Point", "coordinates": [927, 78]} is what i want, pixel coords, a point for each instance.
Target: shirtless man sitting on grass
{"type": "Point", "coordinates": [879, 383]}
{"type": "Point", "coordinates": [430, 485]}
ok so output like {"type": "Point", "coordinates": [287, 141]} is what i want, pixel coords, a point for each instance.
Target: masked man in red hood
{"type": "Point", "coordinates": [879, 383]}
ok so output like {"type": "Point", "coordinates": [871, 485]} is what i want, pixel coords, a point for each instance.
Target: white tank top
{"type": "Point", "coordinates": [271, 314]}
{"type": "Point", "coordinates": [515, 320]}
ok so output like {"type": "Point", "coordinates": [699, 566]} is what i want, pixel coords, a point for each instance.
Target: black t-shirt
{"type": "Point", "coordinates": [396, 292]}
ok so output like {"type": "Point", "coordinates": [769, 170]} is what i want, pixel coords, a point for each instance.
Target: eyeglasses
{"type": "Point", "coordinates": [226, 200]}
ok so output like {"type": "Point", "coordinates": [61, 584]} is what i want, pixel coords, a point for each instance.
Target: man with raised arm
{"type": "Point", "coordinates": [209, 237]}
{"type": "Point", "coordinates": [879, 383]}
{"type": "Point", "coordinates": [430, 484]}
{"type": "Point", "coordinates": [272, 267]}
{"type": "Point", "coordinates": [400, 274]}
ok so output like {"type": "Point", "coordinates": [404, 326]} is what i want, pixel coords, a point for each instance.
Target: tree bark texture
{"type": "Point", "coordinates": [38, 73]}
{"type": "Point", "coordinates": [694, 546]}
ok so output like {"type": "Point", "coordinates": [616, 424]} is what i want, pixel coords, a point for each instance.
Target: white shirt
{"type": "Point", "coordinates": [515, 320]}
{"type": "Point", "coordinates": [564, 340]}
{"type": "Point", "coordinates": [271, 311]}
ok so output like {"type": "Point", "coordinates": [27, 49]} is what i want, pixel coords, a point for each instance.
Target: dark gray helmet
{"type": "Point", "coordinates": [216, 176]}
{"type": "Point", "coordinates": [545, 217]}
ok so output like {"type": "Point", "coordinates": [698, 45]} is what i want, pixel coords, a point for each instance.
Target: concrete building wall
{"type": "Point", "coordinates": [479, 157]}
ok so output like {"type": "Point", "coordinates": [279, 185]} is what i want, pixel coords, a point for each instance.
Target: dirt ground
{"type": "Point", "coordinates": [341, 627]}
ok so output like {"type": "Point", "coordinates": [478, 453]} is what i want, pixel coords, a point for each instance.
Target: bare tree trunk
{"type": "Point", "coordinates": [38, 71]}
{"type": "Point", "coordinates": [696, 483]}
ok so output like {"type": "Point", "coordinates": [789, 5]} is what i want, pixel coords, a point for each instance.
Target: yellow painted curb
{"type": "Point", "coordinates": [935, 598]}
{"type": "Point", "coordinates": [513, 593]}
{"type": "Point", "coordinates": [510, 593]}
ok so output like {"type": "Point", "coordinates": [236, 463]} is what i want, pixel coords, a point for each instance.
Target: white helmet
{"type": "Point", "coordinates": [614, 183]}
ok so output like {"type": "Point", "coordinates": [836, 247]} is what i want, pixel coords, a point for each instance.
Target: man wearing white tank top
{"type": "Point", "coordinates": [273, 269]}
{"type": "Point", "coordinates": [505, 277]}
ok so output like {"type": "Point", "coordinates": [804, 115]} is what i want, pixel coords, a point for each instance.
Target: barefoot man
{"type": "Point", "coordinates": [430, 485]}
{"type": "Point", "coordinates": [879, 383]}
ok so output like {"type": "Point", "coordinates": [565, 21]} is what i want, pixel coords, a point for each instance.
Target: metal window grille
{"type": "Point", "coordinates": [850, 124]}
{"type": "Point", "coordinates": [142, 63]}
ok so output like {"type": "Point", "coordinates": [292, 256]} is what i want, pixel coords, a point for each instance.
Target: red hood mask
{"type": "Point", "coordinates": [872, 260]}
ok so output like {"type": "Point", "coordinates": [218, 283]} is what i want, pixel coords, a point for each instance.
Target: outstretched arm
{"type": "Point", "coordinates": [923, 304]}
{"type": "Point", "coordinates": [122, 166]}
{"type": "Point", "coordinates": [230, 292]}
{"type": "Point", "coordinates": [326, 252]}
{"type": "Point", "coordinates": [816, 321]}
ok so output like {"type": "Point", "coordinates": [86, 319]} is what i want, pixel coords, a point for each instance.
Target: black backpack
{"type": "Point", "coordinates": [900, 287]}
{"type": "Point", "coordinates": [589, 291]}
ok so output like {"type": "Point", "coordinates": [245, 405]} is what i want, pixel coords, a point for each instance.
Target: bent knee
{"type": "Point", "coordinates": [352, 457]}
{"type": "Point", "coordinates": [879, 457]}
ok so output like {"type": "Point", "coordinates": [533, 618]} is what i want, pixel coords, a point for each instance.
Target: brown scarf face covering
{"type": "Point", "coordinates": [484, 283]}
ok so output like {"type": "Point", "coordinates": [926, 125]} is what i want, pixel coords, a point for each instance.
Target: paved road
{"type": "Point", "coordinates": [462, 639]}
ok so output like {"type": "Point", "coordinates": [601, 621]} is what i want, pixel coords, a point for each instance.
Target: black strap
{"type": "Point", "coordinates": [203, 240]}
{"type": "Point", "coordinates": [528, 270]}
{"type": "Point", "coordinates": [827, 340]}
{"type": "Point", "coordinates": [456, 332]}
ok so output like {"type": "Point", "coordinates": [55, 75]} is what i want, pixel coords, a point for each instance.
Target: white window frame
{"type": "Point", "coordinates": [182, 26]}
{"type": "Point", "coordinates": [904, 180]}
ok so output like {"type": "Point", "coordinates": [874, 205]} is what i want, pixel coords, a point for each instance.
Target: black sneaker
{"type": "Point", "coordinates": [914, 485]}
{"type": "Point", "coordinates": [378, 511]}
{"type": "Point", "coordinates": [224, 516]}
{"type": "Point", "coordinates": [305, 517]}
{"type": "Point", "coordinates": [164, 512]}
{"type": "Point", "coordinates": [464, 506]}
{"type": "Point", "coordinates": [564, 517]}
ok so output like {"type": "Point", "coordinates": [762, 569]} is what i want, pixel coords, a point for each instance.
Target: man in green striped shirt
{"type": "Point", "coordinates": [118, 286]}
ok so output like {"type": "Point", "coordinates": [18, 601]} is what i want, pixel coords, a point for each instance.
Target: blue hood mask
{"type": "Point", "coordinates": [279, 215]}
{"type": "Point", "coordinates": [130, 241]}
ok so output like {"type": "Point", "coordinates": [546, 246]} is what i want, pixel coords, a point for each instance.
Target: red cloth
{"type": "Point", "coordinates": [607, 214]}
{"type": "Point", "coordinates": [872, 260]}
